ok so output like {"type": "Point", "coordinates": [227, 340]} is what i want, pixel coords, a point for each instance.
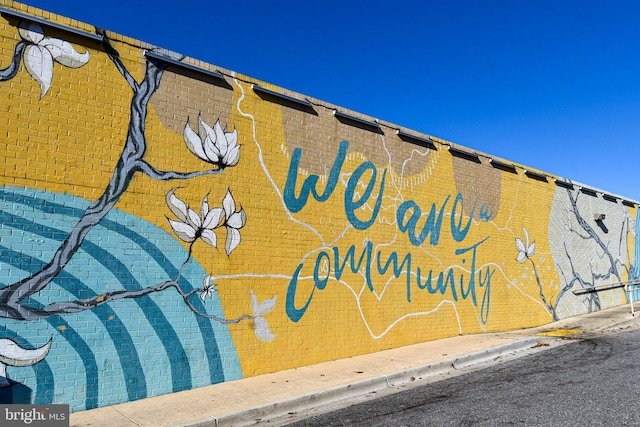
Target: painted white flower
{"type": "Point", "coordinates": [192, 225]}
{"type": "Point", "coordinates": [234, 221]}
{"type": "Point", "coordinates": [525, 250]}
{"type": "Point", "coordinates": [11, 354]}
{"type": "Point", "coordinates": [213, 145]}
{"type": "Point", "coordinates": [40, 54]}
{"type": "Point", "coordinates": [261, 327]}
{"type": "Point", "coordinates": [208, 288]}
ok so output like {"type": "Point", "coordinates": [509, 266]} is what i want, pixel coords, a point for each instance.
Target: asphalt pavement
{"type": "Point", "coordinates": [288, 394]}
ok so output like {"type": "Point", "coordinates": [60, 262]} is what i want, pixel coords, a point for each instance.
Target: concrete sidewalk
{"type": "Point", "coordinates": [294, 391]}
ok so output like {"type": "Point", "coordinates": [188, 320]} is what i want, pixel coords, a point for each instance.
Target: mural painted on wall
{"type": "Point", "coordinates": [212, 145]}
{"type": "Point", "coordinates": [453, 283]}
{"type": "Point", "coordinates": [161, 231]}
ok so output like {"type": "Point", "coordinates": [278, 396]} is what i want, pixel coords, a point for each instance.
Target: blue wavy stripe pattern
{"type": "Point", "coordinates": [43, 373]}
{"type": "Point", "coordinates": [17, 201]}
{"type": "Point", "coordinates": [154, 253]}
{"type": "Point", "coordinates": [129, 359]}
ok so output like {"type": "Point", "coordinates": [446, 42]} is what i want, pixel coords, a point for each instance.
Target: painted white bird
{"type": "Point", "coordinates": [11, 354]}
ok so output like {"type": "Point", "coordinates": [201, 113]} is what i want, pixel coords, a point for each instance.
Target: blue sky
{"type": "Point", "coordinates": [554, 85]}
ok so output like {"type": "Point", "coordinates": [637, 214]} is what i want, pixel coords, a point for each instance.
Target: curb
{"type": "Point", "coordinates": [483, 356]}
{"type": "Point", "coordinates": [631, 322]}
{"type": "Point", "coordinates": [335, 394]}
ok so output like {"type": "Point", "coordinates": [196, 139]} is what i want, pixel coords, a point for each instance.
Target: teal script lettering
{"type": "Point", "coordinates": [409, 220]}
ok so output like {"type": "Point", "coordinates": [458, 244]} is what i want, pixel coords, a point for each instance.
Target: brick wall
{"type": "Point", "coordinates": [164, 227]}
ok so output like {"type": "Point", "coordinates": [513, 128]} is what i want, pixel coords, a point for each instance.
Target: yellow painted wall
{"type": "Point", "coordinates": [529, 244]}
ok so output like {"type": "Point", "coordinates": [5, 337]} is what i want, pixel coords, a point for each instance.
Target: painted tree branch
{"type": "Point", "coordinates": [593, 235]}
{"type": "Point", "coordinates": [10, 72]}
{"type": "Point", "coordinates": [585, 233]}
{"type": "Point", "coordinates": [80, 305]}
{"type": "Point", "coordinates": [13, 296]}
{"type": "Point", "coordinates": [135, 147]}
{"type": "Point", "coordinates": [159, 175]}
{"type": "Point", "coordinates": [594, 298]}
{"type": "Point", "coordinates": [549, 307]}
